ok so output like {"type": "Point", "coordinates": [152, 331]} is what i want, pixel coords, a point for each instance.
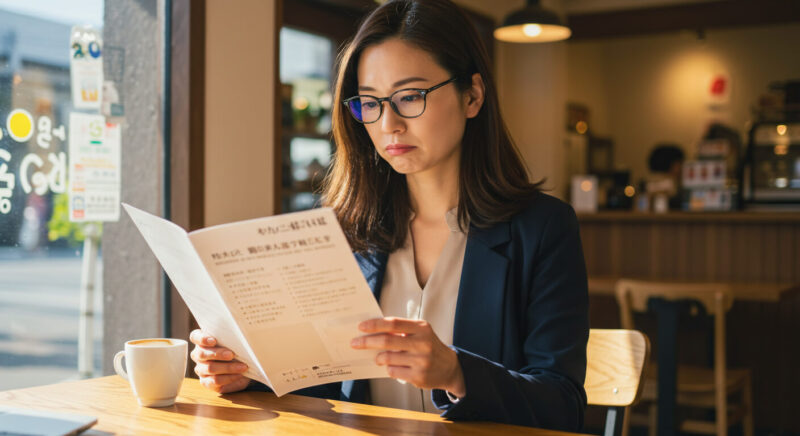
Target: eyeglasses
{"type": "Point", "coordinates": [408, 103]}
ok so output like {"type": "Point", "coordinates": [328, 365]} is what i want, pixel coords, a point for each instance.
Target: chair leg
{"type": "Point", "coordinates": [747, 399]}
{"type": "Point", "coordinates": [614, 419]}
{"type": "Point", "coordinates": [722, 420]}
{"type": "Point", "coordinates": [652, 415]}
{"type": "Point", "coordinates": [626, 422]}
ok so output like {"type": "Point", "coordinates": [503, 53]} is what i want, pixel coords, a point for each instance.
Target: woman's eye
{"type": "Point", "coordinates": [410, 98]}
{"type": "Point", "coordinates": [369, 105]}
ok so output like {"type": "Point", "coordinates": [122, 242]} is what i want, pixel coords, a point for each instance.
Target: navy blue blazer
{"type": "Point", "coordinates": [521, 322]}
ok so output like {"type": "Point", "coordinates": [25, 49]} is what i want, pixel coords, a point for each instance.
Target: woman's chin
{"type": "Point", "coordinates": [405, 168]}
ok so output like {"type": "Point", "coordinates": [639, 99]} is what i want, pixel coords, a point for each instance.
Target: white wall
{"type": "Point", "coordinates": [240, 105]}
{"type": "Point", "coordinates": [532, 86]}
{"type": "Point", "coordinates": [643, 90]}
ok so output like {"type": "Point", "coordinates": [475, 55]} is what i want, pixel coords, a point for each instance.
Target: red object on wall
{"type": "Point", "coordinates": [718, 85]}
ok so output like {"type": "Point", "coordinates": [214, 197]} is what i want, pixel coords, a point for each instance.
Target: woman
{"type": "Point", "coordinates": [481, 274]}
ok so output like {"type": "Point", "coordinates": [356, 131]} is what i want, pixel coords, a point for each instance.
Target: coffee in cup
{"type": "Point", "coordinates": [155, 369]}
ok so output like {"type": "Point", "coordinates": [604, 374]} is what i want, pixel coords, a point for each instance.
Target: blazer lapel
{"type": "Point", "coordinates": [478, 323]}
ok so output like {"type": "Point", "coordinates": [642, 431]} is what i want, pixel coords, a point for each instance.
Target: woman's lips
{"type": "Point", "coordinates": [398, 149]}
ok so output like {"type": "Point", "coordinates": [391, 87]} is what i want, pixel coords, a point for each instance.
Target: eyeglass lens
{"type": "Point", "coordinates": [407, 103]}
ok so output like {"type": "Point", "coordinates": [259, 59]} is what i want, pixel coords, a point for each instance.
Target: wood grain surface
{"type": "Point", "coordinates": [615, 362]}
{"type": "Point", "coordinates": [201, 411]}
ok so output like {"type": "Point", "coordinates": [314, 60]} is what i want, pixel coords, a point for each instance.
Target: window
{"type": "Point", "coordinates": [40, 249]}
{"type": "Point", "coordinates": [305, 70]}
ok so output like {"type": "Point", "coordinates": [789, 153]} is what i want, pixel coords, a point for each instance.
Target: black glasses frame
{"type": "Point", "coordinates": [380, 100]}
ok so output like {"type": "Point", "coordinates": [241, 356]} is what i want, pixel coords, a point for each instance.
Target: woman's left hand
{"type": "Point", "coordinates": [413, 353]}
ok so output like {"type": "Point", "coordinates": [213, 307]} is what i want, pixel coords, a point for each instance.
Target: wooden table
{"type": "Point", "coordinates": [763, 292]}
{"type": "Point", "coordinates": [201, 411]}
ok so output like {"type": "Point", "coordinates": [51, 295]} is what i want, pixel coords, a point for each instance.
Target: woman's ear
{"type": "Point", "coordinates": [473, 98]}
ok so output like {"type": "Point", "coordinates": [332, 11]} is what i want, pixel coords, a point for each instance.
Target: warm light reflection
{"type": "Point", "coordinates": [630, 191]}
{"type": "Point", "coordinates": [581, 127]}
{"type": "Point", "coordinates": [300, 103]}
{"type": "Point", "coordinates": [325, 100]}
{"type": "Point", "coordinates": [586, 185]}
{"type": "Point", "coordinates": [532, 33]}
{"type": "Point", "coordinates": [532, 30]}
{"type": "Point", "coordinates": [781, 149]}
{"type": "Point", "coordinates": [781, 128]}
{"type": "Point", "coordinates": [781, 182]}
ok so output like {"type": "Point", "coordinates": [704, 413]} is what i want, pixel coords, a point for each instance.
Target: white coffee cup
{"type": "Point", "coordinates": [155, 369]}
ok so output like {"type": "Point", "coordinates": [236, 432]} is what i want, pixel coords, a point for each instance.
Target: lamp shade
{"type": "Point", "coordinates": [532, 24]}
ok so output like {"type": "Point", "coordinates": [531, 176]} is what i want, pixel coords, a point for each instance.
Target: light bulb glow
{"type": "Point", "coordinates": [781, 128]}
{"type": "Point", "coordinates": [630, 191]}
{"type": "Point", "coordinates": [532, 30]}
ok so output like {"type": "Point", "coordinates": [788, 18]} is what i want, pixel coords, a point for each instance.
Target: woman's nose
{"type": "Point", "coordinates": [390, 121]}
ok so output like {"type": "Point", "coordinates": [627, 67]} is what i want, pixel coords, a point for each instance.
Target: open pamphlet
{"type": "Point", "coordinates": [284, 293]}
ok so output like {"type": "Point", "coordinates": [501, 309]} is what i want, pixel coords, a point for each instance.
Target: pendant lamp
{"type": "Point", "coordinates": [532, 24]}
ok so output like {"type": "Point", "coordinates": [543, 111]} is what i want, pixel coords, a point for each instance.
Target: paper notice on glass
{"type": "Point", "coordinates": [284, 293]}
{"type": "Point", "coordinates": [86, 67]}
{"type": "Point", "coordinates": [94, 168]}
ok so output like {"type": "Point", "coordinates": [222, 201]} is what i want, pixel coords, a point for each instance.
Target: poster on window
{"type": "Point", "coordinates": [86, 67]}
{"type": "Point", "coordinates": [94, 168]}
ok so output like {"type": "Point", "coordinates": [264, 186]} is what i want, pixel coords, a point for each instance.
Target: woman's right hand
{"type": "Point", "coordinates": [215, 365]}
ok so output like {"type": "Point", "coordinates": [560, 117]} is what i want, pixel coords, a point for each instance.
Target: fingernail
{"type": "Point", "coordinates": [227, 355]}
{"type": "Point", "coordinates": [209, 341]}
{"type": "Point", "coordinates": [241, 367]}
{"type": "Point", "coordinates": [362, 326]}
{"type": "Point", "coordinates": [355, 342]}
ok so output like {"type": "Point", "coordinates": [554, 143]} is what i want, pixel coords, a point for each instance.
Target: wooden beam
{"type": "Point", "coordinates": [325, 18]}
{"type": "Point", "coordinates": [698, 16]}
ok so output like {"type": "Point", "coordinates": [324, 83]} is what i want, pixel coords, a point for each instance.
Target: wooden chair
{"type": "Point", "coordinates": [696, 386]}
{"type": "Point", "coordinates": [615, 362]}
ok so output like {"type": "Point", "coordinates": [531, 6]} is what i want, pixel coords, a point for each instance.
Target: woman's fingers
{"type": "Point", "coordinates": [215, 365]}
{"type": "Point", "coordinates": [200, 354]}
{"type": "Point", "coordinates": [393, 342]}
{"type": "Point", "coordinates": [205, 369]}
{"type": "Point", "coordinates": [396, 358]}
{"type": "Point", "coordinates": [235, 386]}
{"type": "Point", "coordinates": [225, 383]}
{"type": "Point", "coordinates": [393, 325]}
{"type": "Point", "coordinates": [383, 341]}
{"type": "Point", "coordinates": [199, 337]}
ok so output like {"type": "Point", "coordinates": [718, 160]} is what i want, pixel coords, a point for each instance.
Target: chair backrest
{"type": "Point", "coordinates": [615, 364]}
{"type": "Point", "coordinates": [633, 295]}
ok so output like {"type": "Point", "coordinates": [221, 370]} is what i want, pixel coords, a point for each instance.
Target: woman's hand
{"type": "Point", "coordinates": [412, 352]}
{"type": "Point", "coordinates": [215, 365]}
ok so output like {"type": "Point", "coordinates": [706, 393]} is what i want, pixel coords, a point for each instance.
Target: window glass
{"type": "Point", "coordinates": [305, 71]}
{"type": "Point", "coordinates": [41, 251]}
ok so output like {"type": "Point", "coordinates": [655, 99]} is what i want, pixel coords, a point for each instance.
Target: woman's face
{"type": "Point", "coordinates": [430, 142]}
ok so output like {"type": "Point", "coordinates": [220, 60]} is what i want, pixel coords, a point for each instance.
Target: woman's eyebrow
{"type": "Point", "coordinates": [396, 84]}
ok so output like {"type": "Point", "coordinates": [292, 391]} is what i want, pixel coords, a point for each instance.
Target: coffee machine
{"type": "Point", "coordinates": [772, 171]}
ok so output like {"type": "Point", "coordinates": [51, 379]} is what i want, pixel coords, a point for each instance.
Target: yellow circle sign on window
{"type": "Point", "coordinates": [20, 125]}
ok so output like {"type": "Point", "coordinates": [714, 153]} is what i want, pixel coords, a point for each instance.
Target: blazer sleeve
{"type": "Point", "coordinates": [548, 390]}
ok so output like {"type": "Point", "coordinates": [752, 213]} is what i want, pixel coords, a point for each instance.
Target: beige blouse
{"type": "Point", "coordinates": [402, 297]}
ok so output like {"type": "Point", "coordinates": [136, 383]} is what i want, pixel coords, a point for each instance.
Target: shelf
{"type": "Point", "coordinates": [627, 216]}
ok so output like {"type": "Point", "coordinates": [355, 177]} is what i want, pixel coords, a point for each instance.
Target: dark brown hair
{"type": "Point", "coordinates": [370, 199]}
